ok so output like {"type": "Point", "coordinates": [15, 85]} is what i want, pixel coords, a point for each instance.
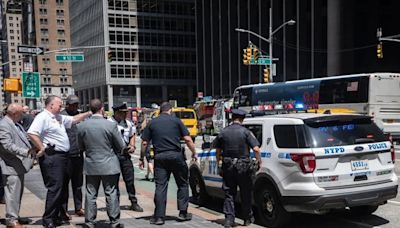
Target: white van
{"type": "Point", "coordinates": [311, 163]}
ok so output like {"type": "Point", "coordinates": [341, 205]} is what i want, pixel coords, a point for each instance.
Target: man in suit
{"type": "Point", "coordinates": [101, 141]}
{"type": "Point", "coordinates": [17, 157]}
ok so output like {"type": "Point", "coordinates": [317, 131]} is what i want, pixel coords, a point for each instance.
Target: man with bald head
{"type": "Point", "coordinates": [48, 133]}
{"type": "Point", "coordinates": [17, 157]}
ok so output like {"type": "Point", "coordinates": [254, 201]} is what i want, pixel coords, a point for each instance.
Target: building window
{"type": "Point", "coordinates": [43, 21]}
{"type": "Point", "coordinates": [61, 32]}
{"type": "Point", "coordinates": [10, 18]}
{"type": "Point", "coordinates": [60, 2]}
{"type": "Point", "coordinates": [44, 31]}
{"type": "Point", "coordinates": [11, 24]}
{"type": "Point", "coordinates": [46, 60]}
{"type": "Point", "coordinates": [44, 41]}
{"type": "Point", "coordinates": [61, 42]}
{"type": "Point", "coordinates": [43, 2]}
{"type": "Point", "coordinates": [42, 11]}
{"type": "Point", "coordinates": [60, 13]}
{"type": "Point", "coordinates": [60, 22]}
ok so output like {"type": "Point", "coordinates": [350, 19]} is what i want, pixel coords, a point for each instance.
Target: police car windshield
{"type": "Point", "coordinates": [340, 133]}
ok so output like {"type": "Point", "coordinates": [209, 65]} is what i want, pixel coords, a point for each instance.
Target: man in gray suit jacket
{"type": "Point", "coordinates": [100, 140]}
{"type": "Point", "coordinates": [16, 159]}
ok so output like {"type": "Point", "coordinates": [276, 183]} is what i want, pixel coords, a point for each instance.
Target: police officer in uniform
{"type": "Point", "coordinates": [165, 133]}
{"type": "Point", "coordinates": [237, 168]}
{"type": "Point", "coordinates": [128, 132]}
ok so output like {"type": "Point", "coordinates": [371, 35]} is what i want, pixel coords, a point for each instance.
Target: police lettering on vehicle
{"type": "Point", "coordinates": [376, 146]}
{"type": "Point", "coordinates": [334, 150]}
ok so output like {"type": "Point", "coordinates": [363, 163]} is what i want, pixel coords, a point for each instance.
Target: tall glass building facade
{"type": "Point", "coordinates": [330, 37]}
{"type": "Point", "coordinates": [149, 55]}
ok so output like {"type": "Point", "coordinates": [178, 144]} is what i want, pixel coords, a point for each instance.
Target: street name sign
{"type": "Point", "coordinates": [264, 61]}
{"type": "Point", "coordinates": [31, 50]}
{"type": "Point", "coordinates": [70, 58]}
{"type": "Point", "coordinates": [31, 84]}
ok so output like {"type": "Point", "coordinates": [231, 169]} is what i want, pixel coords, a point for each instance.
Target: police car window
{"type": "Point", "coordinates": [344, 133]}
{"type": "Point", "coordinates": [290, 136]}
{"type": "Point", "coordinates": [257, 131]}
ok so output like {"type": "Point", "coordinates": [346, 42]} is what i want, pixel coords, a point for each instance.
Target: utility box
{"type": "Point", "coordinates": [12, 85]}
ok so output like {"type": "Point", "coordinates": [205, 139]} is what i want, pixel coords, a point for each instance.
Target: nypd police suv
{"type": "Point", "coordinates": [310, 163]}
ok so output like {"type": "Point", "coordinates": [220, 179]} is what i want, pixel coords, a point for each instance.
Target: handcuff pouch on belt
{"type": "Point", "coordinates": [50, 149]}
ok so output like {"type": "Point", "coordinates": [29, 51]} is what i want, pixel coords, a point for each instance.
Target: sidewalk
{"type": "Point", "coordinates": [34, 198]}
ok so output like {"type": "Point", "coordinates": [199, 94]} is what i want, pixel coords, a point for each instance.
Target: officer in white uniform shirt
{"type": "Point", "coordinates": [128, 131]}
{"type": "Point", "coordinates": [48, 134]}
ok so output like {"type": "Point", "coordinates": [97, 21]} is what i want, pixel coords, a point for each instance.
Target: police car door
{"type": "Point", "coordinates": [209, 167]}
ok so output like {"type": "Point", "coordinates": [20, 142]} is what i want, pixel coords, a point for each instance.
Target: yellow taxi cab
{"type": "Point", "coordinates": [188, 117]}
{"type": "Point", "coordinates": [333, 111]}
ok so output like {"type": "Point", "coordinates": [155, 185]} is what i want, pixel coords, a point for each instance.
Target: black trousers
{"type": "Point", "coordinates": [166, 163]}
{"type": "Point", "coordinates": [1, 185]}
{"type": "Point", "coordinates": [53, 168]}
{"type": "Point", "coordinates": [232, 178]}
{"type": "Point", "coordinates": [75, 175]}
{"type": "Point", "coordinates": [128, 175]}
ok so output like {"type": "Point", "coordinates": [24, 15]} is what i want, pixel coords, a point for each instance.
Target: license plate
{"type": "Point", "coordinates": [359, 165]}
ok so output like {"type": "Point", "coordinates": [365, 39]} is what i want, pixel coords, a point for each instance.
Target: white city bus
{"type": "Point", "coordinates": [374, 94]}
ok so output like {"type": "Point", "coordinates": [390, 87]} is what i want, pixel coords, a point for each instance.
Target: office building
{"type": "Point", "coordinates": [329, 38]}
{"type": "Point", "coordinates": [11, 12]}
{"type": "Point", "coordinates": [52, 32]}
{"type": "Point", "coordinates": [149, 55]}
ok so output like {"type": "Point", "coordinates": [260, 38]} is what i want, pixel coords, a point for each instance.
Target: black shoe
{"type": "Point", "coordinates": [49, 225]}
{"type": "Point", "coordinates": [136, 207]}
{"type": "Point", "coordinates": [184, 216]}
{"type": "Point", "coordinates": [60, 221]}
{"type": "Point", "coordinates": [157, 221]}
{"type": "Point", "coordinates": [248, 221]}
{"type": "Point", "coordinates": [118, 225]}
{"type": "Point", "coordinates": [229, 224]}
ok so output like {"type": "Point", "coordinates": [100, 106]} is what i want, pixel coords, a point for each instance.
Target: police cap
{"type": "Point", "coordinates": [120, 108]}
{"type": "Point", "coordinates": [72, 99]}
{"type": "Point", "coordinates": [239, 113]}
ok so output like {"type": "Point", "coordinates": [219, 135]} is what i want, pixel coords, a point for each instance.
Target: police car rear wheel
{"type": "Point", "coordinates": [363, 210]}
{"type": "Point", "coordinates": [270, 211]}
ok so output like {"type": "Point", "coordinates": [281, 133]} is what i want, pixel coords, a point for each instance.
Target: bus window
{"type": "Point", "coordinates": [243, 97]}
{"type": "Point", "coordinates": [344, 90]}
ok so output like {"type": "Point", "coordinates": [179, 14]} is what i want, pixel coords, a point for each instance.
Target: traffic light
{"type": "Point", "coordinates": [256, 54]}
{"type": "Point", "coordinates": [245, 60]}
{"type": "Point", "coordinates": [379, 51]}
{"type": "Point", "coordinates": [247, 55]}
{"type": "Point", "coordinates": [12, 85]}
{"type": "Point", "coordinates": [266, 75]}
{"type": "Point", "coordinates": [110, 55]}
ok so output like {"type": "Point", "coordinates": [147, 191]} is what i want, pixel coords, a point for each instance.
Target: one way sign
{"type": "Point", "coordinates": [22, 49]}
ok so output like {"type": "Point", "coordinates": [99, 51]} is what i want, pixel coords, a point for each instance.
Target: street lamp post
{"type": "Point", "coordinates": [269, 40]}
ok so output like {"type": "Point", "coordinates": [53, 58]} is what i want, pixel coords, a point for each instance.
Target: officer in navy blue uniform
{"type": "Point", "coordinates": [165, 133]}
{"type": "Point", "coordinates": [237, 168]}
